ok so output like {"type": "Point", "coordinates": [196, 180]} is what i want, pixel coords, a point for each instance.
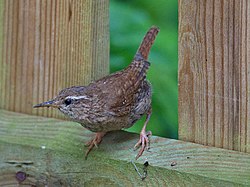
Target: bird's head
{"type": "Point", "coordinates": [67, 100]}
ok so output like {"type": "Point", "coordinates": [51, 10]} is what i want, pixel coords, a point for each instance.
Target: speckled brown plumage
{"type": "Point", "coordinates": [113, 102]}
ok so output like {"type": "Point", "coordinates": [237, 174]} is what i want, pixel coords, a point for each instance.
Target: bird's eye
{"type": "Point", "coordinates": [67, 101]}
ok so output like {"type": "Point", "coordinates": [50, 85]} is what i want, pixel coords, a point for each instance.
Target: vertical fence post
{"type": "Point", "coordinates": [48, 45]}
{"type": "Point", "coordinates": [214, 73]}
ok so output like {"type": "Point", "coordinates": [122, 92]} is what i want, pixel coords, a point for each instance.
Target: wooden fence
{"type": "Point", "coordinates": [48, 45]}
{"type": "Point", "coordinates": [214, 73]}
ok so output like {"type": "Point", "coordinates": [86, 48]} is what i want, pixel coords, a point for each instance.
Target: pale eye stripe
{"type": "Point", "coordinates": [77, 97]}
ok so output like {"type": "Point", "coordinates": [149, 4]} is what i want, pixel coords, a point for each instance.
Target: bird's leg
{"type": "Point", "coordinates": [94, 142]}
{"type": "Point", "coordinates": [144, 137]}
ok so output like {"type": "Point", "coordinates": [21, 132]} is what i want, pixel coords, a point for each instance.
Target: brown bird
{"type": "Point", "coordinates": [113, 102]}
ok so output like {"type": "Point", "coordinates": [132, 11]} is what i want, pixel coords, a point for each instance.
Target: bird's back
{"type": "Point", "coordinates": [120, 99]}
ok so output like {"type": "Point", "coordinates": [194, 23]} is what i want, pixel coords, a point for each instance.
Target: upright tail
{"type": "Point", "coordinates": [139, 66]}
{"type": "Point", "coordinates": [147, 43]}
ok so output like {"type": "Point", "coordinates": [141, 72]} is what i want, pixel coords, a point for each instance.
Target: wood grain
{"type": "Point", "coordinates": [48, 45]}
{"type": "Point", "coordinates": [214, 73]}
{"type": "Point", "coordinates": [51, 152]}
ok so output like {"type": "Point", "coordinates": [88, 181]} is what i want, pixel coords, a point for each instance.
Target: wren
{"type": "Point", "coordinates": [113, 102]}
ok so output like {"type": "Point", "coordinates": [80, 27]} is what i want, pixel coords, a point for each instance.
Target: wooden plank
{"type": "Point", "coordinates": [214, 78]}
{"type": "Point", "coordinates": [49, 45]}
{"type": "Point", "coordinates": [51, 151]}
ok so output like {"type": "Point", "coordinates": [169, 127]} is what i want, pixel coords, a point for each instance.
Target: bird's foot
{"type": "Point", "coordinates": [94, 142]}
{"type": "Point", "coordinates": [143, 142]}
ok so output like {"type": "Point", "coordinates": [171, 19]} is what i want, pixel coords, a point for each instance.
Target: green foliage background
{"type": "Point", "coordinates": [129, 21]}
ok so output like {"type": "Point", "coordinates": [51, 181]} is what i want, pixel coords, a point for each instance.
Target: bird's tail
{"type": "Point", "coordinates": [147, 43]}
{"type": "Point", "coordinates": [139, 66]}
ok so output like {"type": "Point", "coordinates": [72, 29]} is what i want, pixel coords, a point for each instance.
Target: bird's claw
{"type": "Point", "coordinates": [94, 142]}
{"type": "Point", "coordinates": [143, 142]}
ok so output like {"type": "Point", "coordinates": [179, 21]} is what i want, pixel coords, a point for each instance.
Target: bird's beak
{"type": "Point", "coordinates": [46, 104]}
